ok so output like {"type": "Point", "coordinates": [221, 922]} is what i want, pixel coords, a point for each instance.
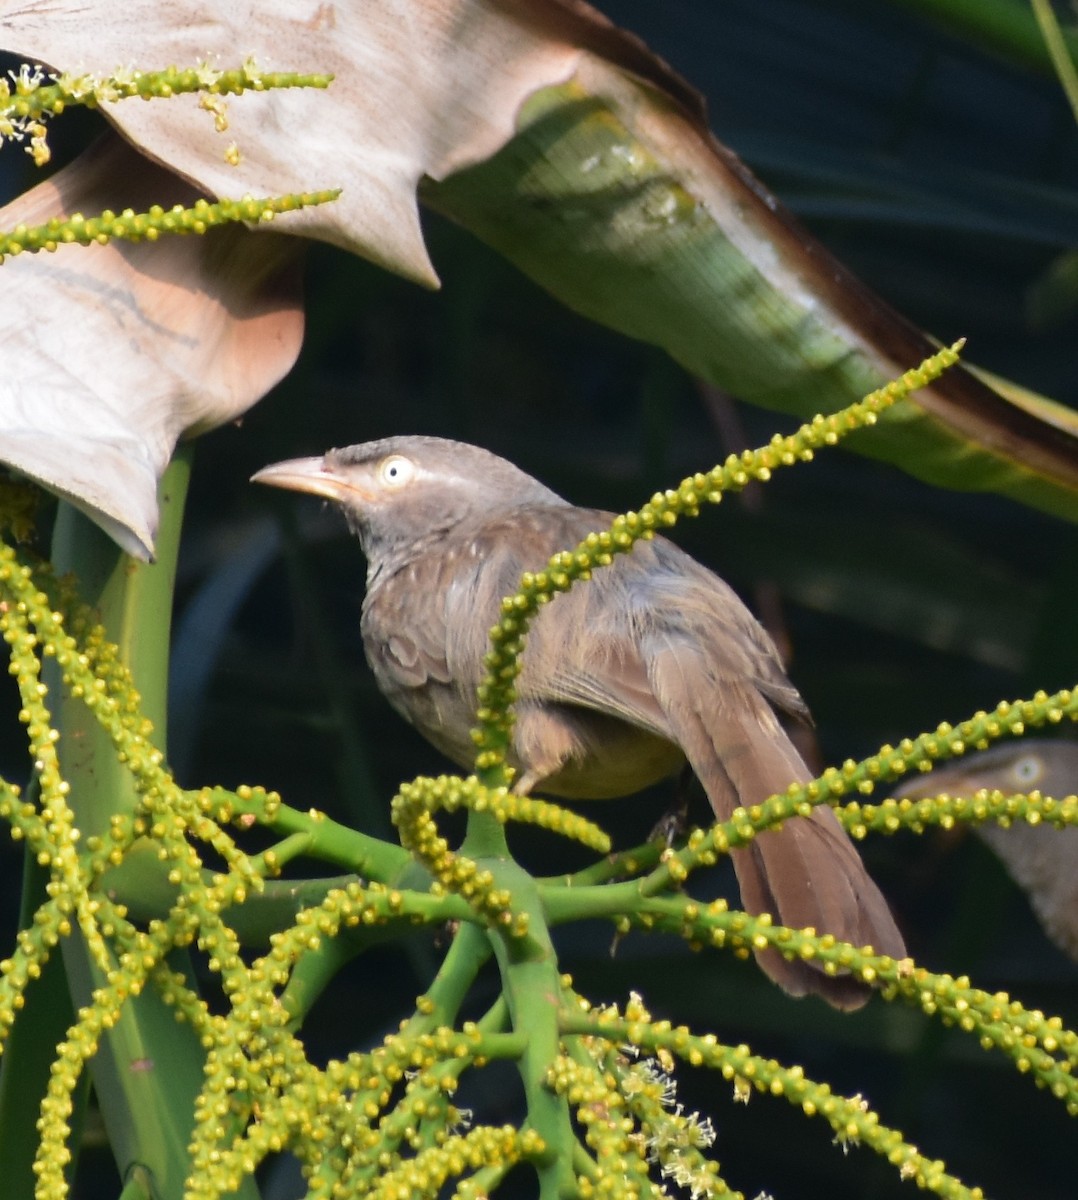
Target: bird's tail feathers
{"type": "Point", "coordinates": [805, 874]}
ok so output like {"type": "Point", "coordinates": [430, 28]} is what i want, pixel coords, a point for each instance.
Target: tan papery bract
{"type": "Point", "coordinates": [112, 353]}
{"type": "Point", "coordinates": [422, 87]}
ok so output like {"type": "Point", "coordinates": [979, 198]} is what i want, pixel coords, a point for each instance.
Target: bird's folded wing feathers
{"type": "Point", "coordinates": [601, 627]}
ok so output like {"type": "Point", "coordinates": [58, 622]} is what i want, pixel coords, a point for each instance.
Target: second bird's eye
{"type": "Point", "coordinates": [396, 470]}
{"type": "Point", "coordinates": [1027, 770]}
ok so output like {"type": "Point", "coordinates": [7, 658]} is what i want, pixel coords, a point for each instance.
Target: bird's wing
{"type": "Point", "coordinates": [603, 625]}
{"type": "Point", "coordinates": [683, 657]}
{"type": "Point", "coordinates": [430, 619]}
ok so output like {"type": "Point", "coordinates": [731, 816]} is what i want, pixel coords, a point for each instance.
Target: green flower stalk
{"type": "Point", "coordinates": [150, 225]}
{"type": "Point", "coordinates": [33, 95]}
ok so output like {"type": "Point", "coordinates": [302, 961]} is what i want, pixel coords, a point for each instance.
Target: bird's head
{"type": "Point", "coordinates": [397, 491]}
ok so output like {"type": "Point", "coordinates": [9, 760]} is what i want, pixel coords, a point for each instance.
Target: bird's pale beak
{"type": "Point", "coordinates": [308, 475]}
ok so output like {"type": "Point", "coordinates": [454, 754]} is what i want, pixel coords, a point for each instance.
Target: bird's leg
{"type": "Point", "coordinates": [543, 743]}
{"type": "Point", "coordinates": [523, 784]}
{"type": "Point", "coordinates": [673, 823]}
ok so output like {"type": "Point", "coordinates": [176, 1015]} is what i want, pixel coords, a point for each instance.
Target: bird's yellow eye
{"type": "Point", "coordinates": [1027, 771]}
{"type": "Point", "coordinates": [396, 471]}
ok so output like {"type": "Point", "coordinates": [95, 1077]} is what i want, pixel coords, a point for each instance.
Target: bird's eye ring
{"type": "Point", "coordinates": [396, 471]}
{"type": "Point", "coordinates": [1027, 770]}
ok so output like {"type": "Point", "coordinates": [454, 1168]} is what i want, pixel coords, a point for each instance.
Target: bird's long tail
{"type": "Point", "coordinates": [805, 874]}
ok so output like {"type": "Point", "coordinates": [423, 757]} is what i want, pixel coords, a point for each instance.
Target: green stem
{"type": "Point", "coordinates": [1061, 54]}
{"type": "Point", "coordinates": [532, 986]}
{"type": "Point", "coordinates": [341, 845]}
{"type": "Point", "coordinates": [467, 954]}
{"type": "Point", "coordinates": [591, 902]}
{"type": "Point", "coordinates": [147, 895]}
{"type": "Point", "coordinates": [148, 1070]}
{"type": "Point", "coordinates": [611, 867]}
{"type": "Point", "coordinates": [485, 837]}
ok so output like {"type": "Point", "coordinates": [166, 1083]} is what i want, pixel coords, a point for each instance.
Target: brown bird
{"type": "Point", "coordinates": [653, 661]}
{"type": "Point", "coordinates": [1042, 859]}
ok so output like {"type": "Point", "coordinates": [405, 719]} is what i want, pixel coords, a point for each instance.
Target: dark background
{"type": "Point", "coordinates": [944, 176]}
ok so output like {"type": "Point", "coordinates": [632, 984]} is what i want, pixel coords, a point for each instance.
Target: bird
{"type": "Point", "coordinates": [1042, 859]}
{"type": "Point", "coordinates": [652, 663]}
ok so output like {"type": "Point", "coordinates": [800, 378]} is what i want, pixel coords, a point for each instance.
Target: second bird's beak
{"type": "Point", "coordinates": [307, 475]}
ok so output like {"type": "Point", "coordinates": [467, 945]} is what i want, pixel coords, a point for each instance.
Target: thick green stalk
{"type": "Point", "coordinates": [532, 988]}
{"type": "Point", "coordinates": [148, 1069]}
{"type": "Point", "coordinates": [485, 837]}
